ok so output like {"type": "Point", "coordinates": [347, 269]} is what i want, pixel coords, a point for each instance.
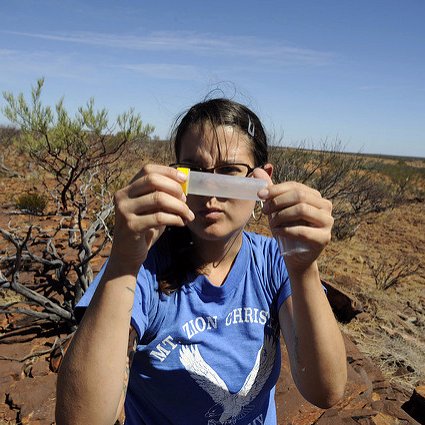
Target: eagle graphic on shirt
{"type": "Point", "coordinates": [229, 407]}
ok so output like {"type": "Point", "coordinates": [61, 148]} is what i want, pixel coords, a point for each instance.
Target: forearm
{"type": "Point", "coordinates": [91, 377]}
{"type": "Point", "coordinates": [317, 352]}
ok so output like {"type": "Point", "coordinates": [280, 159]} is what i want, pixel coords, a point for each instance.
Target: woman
{"type": "Point", "coordinates": [183, 321]}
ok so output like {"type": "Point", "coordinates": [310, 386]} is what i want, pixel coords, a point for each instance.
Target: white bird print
{"type": "Point", "coordinates": [234, 406]}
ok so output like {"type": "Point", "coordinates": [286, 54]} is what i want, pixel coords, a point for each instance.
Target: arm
{"type": "Point", "coordinates": [131, 349]}
{"type": "Point", "coordinates": [90, 380]}
{"type": "Point", "coordinates": [315, 346]}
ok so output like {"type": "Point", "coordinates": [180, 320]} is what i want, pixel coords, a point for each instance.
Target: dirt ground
{"type": "Point", "coordinates": [390, 329]}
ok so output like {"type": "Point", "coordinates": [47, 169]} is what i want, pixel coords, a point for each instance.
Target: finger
{"type": "Point", "coordinates": [292, 186]}
{"type": "Point", "coordinates": [157, 177]}
{"type": "Point", "coordinates": [301, 213]}
{"type": "Point", "coordinates": [296, 197]}
{"type": "Point", "coordinates": [160, 169]}
{"type": "Point", "coordinates": [312, 235]}
{"type": "Point", "coordinates": [155, 183]}
{"type": "Point", "coordinates": [140, 223]}
{"type": "Point", "coordinates": [155, 202]}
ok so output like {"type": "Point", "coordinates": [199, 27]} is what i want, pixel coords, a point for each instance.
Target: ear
{"type": "Point", "coordinates": [268, 168]}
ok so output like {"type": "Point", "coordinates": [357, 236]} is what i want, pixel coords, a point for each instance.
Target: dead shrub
{"type": "Point", "coordinates": [388, 272]}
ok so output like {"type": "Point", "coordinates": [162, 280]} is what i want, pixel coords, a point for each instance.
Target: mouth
{"type": "Point", "coordinates": [210, 213]}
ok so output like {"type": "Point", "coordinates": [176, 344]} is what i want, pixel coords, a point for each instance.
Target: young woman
{"type": "Point", "coordinates": [183, 321]}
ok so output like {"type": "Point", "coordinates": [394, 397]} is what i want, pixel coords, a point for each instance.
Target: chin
{"type": "Point", "coordinates": [210, 235]}
{"type": "Point", "coordinates": [214, 232]}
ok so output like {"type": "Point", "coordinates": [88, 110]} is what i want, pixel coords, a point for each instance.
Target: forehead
{"type": "Point", "coordinates": [203, 143]}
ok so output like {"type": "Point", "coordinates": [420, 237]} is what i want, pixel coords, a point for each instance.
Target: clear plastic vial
{"type": "Point", "coordinates": [234, 187]}
{"type": "Point", "coordinates": [222, 186]}
{"type": "Point", "coordinates": [288, 247]}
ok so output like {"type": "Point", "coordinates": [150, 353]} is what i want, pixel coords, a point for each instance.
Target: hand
{"type": "Point", "coordinates": [153, 200]}
{"type": "Point", "coordinates": [298, 212]}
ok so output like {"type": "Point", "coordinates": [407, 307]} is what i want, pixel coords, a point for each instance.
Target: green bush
{"type": "Point", "coordinates": [32, 203]}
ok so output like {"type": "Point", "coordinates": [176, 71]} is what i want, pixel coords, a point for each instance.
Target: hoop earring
{"type": "Point", "coordinates": [257, 209]}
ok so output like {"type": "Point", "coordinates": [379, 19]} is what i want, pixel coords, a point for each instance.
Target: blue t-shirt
{"type": "Point", "coordinates": [207, 354]}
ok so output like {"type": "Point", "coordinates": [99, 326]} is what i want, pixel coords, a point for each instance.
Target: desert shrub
{"type": "Point", "coordinates": [71, 148]}
{"type": "Point", "coordinates": [369, 193]}
{"type": "Point", "coordinates": [291, 164]}
{"type": "Point", "coordinates": [389, 272]}
{"type": "Point", "coordinates": [32, 203]}
{"type": "Point", "coordinates": [8, 135]}
{"type": "Point", "coordinates": [340, 177]}
{"type": "Point", "coordinates": [397, 170]}
{"type": "Point", "coordinates": [86, 158]}
{"type": "Point", "coordinates": [408, 181]}
{"type": "Point", "coordinates": [161, 151]}
{"type": "Point", "coordinates": [345, 226]}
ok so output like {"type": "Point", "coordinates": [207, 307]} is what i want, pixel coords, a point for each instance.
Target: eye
{"type": "Point", "coordinates": [232, 169]}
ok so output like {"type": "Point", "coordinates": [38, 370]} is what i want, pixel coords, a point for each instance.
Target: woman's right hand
{"type": "Point", "coordinates": [153, 200]}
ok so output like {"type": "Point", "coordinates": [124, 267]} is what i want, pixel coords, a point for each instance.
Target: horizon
{"type": "Point", "coordinates": [333, 71]}
{"type": "Point", "coordinates": [156, 139]}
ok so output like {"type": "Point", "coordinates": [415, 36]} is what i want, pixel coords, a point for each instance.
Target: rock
{"type": "Point", "coordinates": [34, 399]}
{"type": "Point", "coordinates": [348, 416]}
{"type": "Point", "coordinates": [368, 398]}
{"type": "Point", "coordinates": [11, 370]}
{"type": "Point", "coordinates": [382, 419]}
{"type": "Point", "coordinates": [344, 306]}
{"type": "Point", "coordinates": [415, 407]}
{"type": "Point", "coordinates": [28, 388]}
{"type": "Point", "coordinates": [40, 367]}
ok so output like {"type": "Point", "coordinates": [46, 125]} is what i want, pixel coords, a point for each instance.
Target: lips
{"type": "Point", "coordinates": [210, 213]}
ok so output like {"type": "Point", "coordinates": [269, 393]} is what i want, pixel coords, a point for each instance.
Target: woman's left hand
{"type": "Point", "coordinates": [298, 212]}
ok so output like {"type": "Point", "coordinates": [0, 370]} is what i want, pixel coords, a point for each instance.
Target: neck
{"type": "Point", "coordinates": [215, 258]}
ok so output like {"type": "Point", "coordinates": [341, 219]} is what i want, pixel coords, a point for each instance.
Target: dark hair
{"type": "Point", "coordinates": [176, 242]}
{"type": "Point", "coordinates": [221, 112]}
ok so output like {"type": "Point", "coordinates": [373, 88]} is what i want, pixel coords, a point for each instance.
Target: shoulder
{"type": "Point", "coordinates": [265, 254]}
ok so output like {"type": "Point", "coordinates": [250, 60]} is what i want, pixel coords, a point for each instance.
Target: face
{"type": "Point", "coordinates": [216, 218]}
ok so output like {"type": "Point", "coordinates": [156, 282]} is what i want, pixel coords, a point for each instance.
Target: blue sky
{"type": "Point", "coordinates": [352, 71]}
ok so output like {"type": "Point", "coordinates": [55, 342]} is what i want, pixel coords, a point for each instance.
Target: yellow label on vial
{"type": "Point", "coordinates": [185, 184]}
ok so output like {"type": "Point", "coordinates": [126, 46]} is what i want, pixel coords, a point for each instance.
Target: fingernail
{"type": "Point", "coordinates": [263, 193]}
{"type": "Point", "coordinates": [191, 215]}
{"type": "Point", "coordinates": [183, 197]}
{"type": "Point", "coordinates": [181, 176]}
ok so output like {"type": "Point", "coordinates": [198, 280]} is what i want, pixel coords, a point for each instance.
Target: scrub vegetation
{"type": "Point", "coordinates": [57, 176]}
